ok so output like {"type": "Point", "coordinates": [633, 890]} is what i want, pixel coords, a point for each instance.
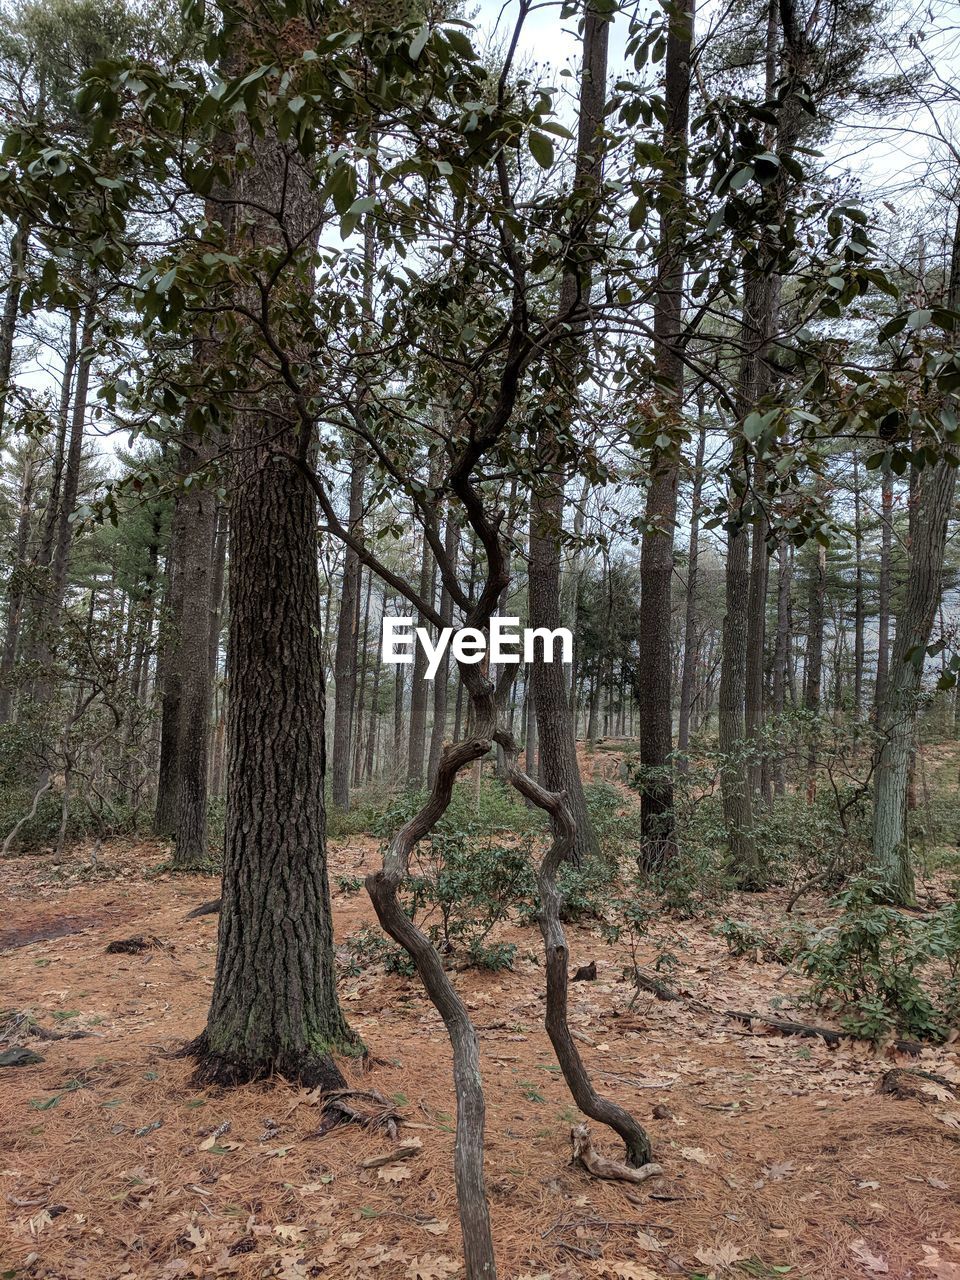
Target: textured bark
{"type": "Point", "coordinates": [274, 1005]}
{"type": "Point", "coordinates": [935, 487]}
{"type": "Point", "coordinates": [345, 656]}
{"type": "Point", "coordinates": [558, 753]}
{"type": "Point", "coordinates": [654, 659]}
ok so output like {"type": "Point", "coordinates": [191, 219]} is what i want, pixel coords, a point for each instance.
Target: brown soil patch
{"type": "Point", "coordinates": [781, 1158]}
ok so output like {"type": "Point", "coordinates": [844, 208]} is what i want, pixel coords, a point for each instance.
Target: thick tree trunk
{"type": "Point", "coordinates": [274, 1006]}
{"type": "Point", "coordinates": [753, 717]}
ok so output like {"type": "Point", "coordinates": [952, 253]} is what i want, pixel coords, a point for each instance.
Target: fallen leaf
{"type": "Point", "coordinates": [393, 1173]}
{"type": "Point", "coordinates": [289, 1231]}
{"type": "Point", "coordinates": [696, 1154]}
{"type": "Point", "coordinates": [872, 1261]}
{"type": "Point", "coordinates": [721, 1256]}
{"type": "Point", "coordinates": [432, 1267]}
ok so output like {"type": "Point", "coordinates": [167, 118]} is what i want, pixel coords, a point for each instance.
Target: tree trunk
{"type": "Point", "coordinates": [274, 1006]}
{"type": "Point", "coordinates": [813, 674]}
{"type": "Point", "coordinates": [898, 711]}
{"type": "Point", "coordinates": [168, 680]}
{"type": "Point", "coordinates": [16, 591]}
{"type": "Point", "coordinates": [655, 694]}
{"type": "Point", "coordinates": [345, 657]}
{"type": "Point", "coordinates": [11, 310]}
{"type": "Point", "coordinates": [935, 488]}
{"type": "Point", "coordinates": [859, 606]}
{"type": "Point", "coordinates": [691, 613]}
{"type": "Point", "coordinates": [48, 619]}
{"type": "Point", "coordinates": [198, 518]}
{"type": "Point", "coordinates": [781, 657]}
{"type": "Point", "coordinates": [883, 621]}
{"type": "Point", "coordinates": [558, 751]}
{"type": "Point", "coordinates": [420, 686]}
{"type": "Point", "coordinates": [441, 688]}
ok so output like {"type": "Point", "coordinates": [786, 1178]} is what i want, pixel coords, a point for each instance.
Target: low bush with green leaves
{"type": "Point", "coordinates": [884, 971]}
{"type": "Point", "coordinates": [743, 939]}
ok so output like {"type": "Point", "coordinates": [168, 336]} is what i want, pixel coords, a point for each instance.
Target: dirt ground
{"type": "Point", "coordinates": [780, 1156]}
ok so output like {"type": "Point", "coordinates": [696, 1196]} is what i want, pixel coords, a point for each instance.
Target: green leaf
{"type": "Point", "coordinates": [419, 41]}
{"type": "Point", "coordinates": [541, 148]}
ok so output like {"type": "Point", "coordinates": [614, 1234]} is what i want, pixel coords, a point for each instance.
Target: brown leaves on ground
{"type": "Point", "coordinates": [776, 1152]}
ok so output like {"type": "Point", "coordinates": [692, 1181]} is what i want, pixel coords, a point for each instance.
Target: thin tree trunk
{"type": "Point", "coordinates": [691, 613]}
{"type": "Point", "coordinates": [558, 751]}
{"type": "Point", "coordinates": [781, 653]}
{"type": "Point", "coordinates": [883, 621]}
{"type": "Point", "coordinates": [345, 657]}
{"type": "Point", "coordinates": [11, 311]}
{"type": "Point", "coordinates": [198, 520]}
{"type": "Point", "coordinates": [813, 674]}
{"type": "Point", "coordinates": [654, 682]}
{"type": "Point", "coordinates": [417, 740]}
{"type": "Point", "coordinates": [441, 689]}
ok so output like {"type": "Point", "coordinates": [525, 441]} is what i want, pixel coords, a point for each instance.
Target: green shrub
{"type": "Point", "coordinates": [465, 877]}
{"type": "Point", "coordinates": [869, 967]}
{"type": "Point", "coordinates": [743, 939]}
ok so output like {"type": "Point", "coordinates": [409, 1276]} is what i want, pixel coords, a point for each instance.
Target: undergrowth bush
{"type": "Point", "coordinates": [884, 971]}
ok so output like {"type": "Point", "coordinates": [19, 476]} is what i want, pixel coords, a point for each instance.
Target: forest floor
{"type": "Point", "coordinates": [780, 1155]}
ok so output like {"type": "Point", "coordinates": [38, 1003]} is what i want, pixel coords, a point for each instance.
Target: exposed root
{"type": "Point", "coordinates": [585, 1155]}
{"type": "Point", "coordinates": [338, 1108]}
{"type": "Point", "coordinates": [204, 909]}
{"type": "Point", "coordinates": [310, 1070]}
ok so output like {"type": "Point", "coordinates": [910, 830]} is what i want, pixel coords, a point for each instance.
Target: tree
{"type": "Point", "coordinates": [656, 555]}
